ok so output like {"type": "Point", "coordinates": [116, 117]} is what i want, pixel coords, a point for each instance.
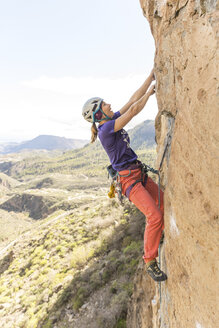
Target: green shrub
{"type": "Point", "coordinates": [78, 302]}
{"type": "Point", "coordinates": [106, 275]}
{"type": "Point", "coordinates": [114, 287]}
{"type": "Point", "coordinates": [32, 322]}
{"type": "Point", "coordinates": [132, 248]}
{"type": "Point", "coordinates": [121, 323]}
{"type": "Point", "coordinates": [95, 281]}
{"type": "Point", "coordinates": [79, 299]}
{"type": "Point", "coordinates": [134, 262]}
{"type": "Point", "coordinates": [47, 324]}
{"type": "Point", "coordinates": [128, 287]}
{"type": "Point", "coordinates": [43, 262]}
{"type": "Point", "coordinates": [126, 241]}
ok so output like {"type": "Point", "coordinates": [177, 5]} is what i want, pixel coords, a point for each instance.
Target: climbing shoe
{"type": "Point", "coordinates": [154, 271]}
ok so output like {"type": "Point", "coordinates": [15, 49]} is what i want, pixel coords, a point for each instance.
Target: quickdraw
{"type": "Point", "coordinates": [115, 186]}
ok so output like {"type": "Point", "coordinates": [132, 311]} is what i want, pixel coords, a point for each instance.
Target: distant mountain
{"type": "Point", "coordinates": [6, 145]}
{"type": "Point", "coordinates": [90, 158]}
{"type": "Point", "coordinates": [45, 142]}
{"type": "Point", "coordinates": [143, 135]}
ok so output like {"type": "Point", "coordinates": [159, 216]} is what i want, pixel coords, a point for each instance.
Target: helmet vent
{"type": "Point", "coordinates": [95, 106]}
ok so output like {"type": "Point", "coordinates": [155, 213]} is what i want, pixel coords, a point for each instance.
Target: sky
{"type": "Point", "coordinates": [56, 54]}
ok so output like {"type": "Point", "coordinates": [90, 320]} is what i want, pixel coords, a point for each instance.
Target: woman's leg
{"type": "Point", "coordinates": [152, 188]}
{"type": "Point", "coordinates": [146, 200]}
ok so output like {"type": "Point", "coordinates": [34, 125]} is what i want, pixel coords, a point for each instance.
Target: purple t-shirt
{"type": "Point", "coordinates": [116, 144]}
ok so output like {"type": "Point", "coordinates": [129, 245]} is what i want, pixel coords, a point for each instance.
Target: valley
{"type": "Point", "coordinates": [68, 253]}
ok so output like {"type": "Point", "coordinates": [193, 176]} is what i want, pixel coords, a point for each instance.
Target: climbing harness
{"type": "Point", "coordinates": [143, 178]}
{"type": "Point", "coordinates": [116, 187]}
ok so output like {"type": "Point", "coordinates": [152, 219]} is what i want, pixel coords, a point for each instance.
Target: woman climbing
{"type": "Point", "coordinates": [115, 141]}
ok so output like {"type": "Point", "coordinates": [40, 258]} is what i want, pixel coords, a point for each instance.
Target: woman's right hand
{"type": "Point", "coordinates": [141, 92]}
{"type": "Point", "coordinates": [151, 91]}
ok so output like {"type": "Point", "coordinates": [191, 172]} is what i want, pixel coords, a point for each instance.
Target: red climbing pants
{"type": "Point", "coordinates": [146, 200]}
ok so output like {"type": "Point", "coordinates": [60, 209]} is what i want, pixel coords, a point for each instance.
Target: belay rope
{"type": "Point", "coordinates": [168, 142]}
{"type": "Point", "coordinates": [148, 168]}
{"type": "Point", "coordinates": [158, 174]}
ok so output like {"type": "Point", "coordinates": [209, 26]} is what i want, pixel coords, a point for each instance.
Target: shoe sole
{"type": "Point", "coordinates": [157, 279]}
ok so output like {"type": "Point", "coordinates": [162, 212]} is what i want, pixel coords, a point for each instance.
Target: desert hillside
{"type": "Point", "coordinates": [68, 253]}
{"type": "Point", "coordinates": [43, 142]}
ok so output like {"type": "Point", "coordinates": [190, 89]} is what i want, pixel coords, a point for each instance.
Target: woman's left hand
{"type": "Point", "coordinates": [152, 76]}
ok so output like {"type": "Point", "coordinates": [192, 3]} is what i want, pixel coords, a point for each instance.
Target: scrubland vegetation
{"type": "Point", "coordinates": [67, 262]}
{"type": "Point", "coordinates": [91, 159]}
{"type": "Point", "coordinates": [74, 265]}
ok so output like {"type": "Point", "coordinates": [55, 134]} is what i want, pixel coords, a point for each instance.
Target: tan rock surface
{"type": "Point", "coordinates": [143, 300]}
{"type": "Point", "coordinates": [186, 68]}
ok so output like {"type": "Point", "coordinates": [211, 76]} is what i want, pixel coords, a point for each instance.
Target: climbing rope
{"type": "Point", "coordinates": [159, 249]}
{"type": "Point", "coordinates": [145, 168]}
{"type": "Point", "coordinates": [168, 142]}
{"type": "Point", "coordinates": [148, 168]}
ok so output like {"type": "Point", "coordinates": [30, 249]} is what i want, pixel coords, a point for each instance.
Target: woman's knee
{"type": "Point", "coordinates": [155, 217]}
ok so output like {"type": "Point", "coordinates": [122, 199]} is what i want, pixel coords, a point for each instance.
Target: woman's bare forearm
{"type": "Point", "coordinates": [139, 105]}
{"type": "Point", "coordinates": [133, 110]}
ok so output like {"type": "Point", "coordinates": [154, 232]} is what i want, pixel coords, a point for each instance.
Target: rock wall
{"type": "Point", "coordinates": [186, 68]}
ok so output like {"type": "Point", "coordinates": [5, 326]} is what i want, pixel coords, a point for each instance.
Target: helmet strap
{"type": "Point", "coordinates": [102, 119]}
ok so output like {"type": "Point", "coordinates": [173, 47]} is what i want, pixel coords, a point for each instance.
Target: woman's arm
{"type": "Point", "coordinates": [139, 93]}
{"type": "Point", "coordinates": [133, 110]}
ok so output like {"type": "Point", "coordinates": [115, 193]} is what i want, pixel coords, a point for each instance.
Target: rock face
{"type": "Point", "coordinates": [144, 301]}
{"type": "Point", "coordinates": [186, 68]}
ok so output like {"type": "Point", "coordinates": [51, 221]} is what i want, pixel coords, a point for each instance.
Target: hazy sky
{"type": "Point", "coordinates": [55, 54]}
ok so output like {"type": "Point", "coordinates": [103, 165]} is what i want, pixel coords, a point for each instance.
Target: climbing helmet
{"type": "Point", "coordinates": [92, 110]}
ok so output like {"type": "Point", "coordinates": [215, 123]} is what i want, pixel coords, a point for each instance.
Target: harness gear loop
{"type": "Point", "coordinates": [115, 187]}
{"type": "Point", "coordinates": [125, 176]}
